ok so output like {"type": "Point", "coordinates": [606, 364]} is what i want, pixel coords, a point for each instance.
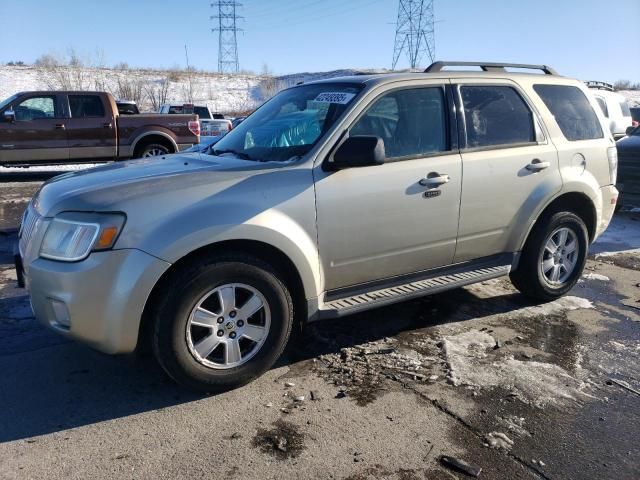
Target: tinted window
{"type": "Point", "coordinates": [572, 111]}
{"type": "Point", "coordinates": [176, 109]}
{"type": "Point", "coordinates": [411, 122]}
{"type": "Point", "coordinates": [127, 109]}
{"type": "Point", "coordinates": [35, 108]}
{"type": "Point", "coordinates": [86, 106]}
{"type": "Point", "coordinates": [624, 106]}
{"type": "Point", "coordinates": [202, 112]}
{"type": "Point", "coordinates": [496, 115]}
{"type": "Point", "coordinates": [603, 106]}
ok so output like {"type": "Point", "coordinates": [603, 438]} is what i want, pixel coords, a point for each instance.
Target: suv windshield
{"type": "Point", "coordinates": [289, 124]}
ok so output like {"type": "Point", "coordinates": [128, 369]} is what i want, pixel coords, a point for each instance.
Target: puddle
{"type": "Point", "coordinates": [554, 335]}
{"type": "Point", "coordinates": [283, 441]}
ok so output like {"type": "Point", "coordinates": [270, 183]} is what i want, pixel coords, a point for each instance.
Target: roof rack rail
{"type": "Point", "coordinates": [600, 85]}
{"type": "Point", "coordinates": [488, 66]}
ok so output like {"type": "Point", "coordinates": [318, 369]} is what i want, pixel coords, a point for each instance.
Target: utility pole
{"type": "Point", "coordinates": [415, 35]}
{"type": "Point", "coordinates": [226, 16]}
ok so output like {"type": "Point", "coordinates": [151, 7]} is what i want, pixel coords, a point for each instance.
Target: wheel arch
{"type": "Point", "coordinates": [268, 253]}
{"type": "Point", "coordinates": [578, 203]}
{"type": "Point", "coordinates": [149, 137]}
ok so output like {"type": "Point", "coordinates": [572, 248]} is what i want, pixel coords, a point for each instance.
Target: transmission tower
{"type": "Point", "coordinates": [415, 35]}
{"type": "Point", "coordinates": [227, 35]}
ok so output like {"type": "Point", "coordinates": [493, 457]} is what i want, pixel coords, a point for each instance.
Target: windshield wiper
{"type": "Point", "coordinates": [241, 155]}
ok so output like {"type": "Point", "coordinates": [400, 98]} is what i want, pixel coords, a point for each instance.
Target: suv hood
{"type": "Point", "coordinates": [108, 187]}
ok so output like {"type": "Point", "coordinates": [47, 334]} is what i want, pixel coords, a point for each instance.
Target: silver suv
{"type": "Point", "coordinates": [334, 197]}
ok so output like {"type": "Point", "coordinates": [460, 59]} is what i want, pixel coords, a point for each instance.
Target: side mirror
{"type": "Point", "coordinates": [359, 151]}
{"type": "Point", "coordinates": [9, 116]}
{"type": "Point", "coordinates": [630, 130]}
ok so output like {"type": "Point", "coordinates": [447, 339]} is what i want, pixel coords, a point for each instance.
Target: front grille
{"type": "Point", "coordinates": [29, 223]}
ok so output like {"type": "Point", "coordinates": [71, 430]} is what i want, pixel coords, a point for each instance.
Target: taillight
{"type": "Point", "coordinates": [635, 123]}
{"type": "Point", "coordinates": [612, 156]}
{"type": "Point", "coordinates": [194, 127]}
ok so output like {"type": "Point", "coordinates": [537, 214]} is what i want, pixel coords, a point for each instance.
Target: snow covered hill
{"type": "Point", "coordinates": [221, 92]}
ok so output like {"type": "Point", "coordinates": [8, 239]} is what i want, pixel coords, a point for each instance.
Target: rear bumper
{"type": "Point", "coordinates": [98, 301]}
{"type": "Point", "coordinates": [609, 201]}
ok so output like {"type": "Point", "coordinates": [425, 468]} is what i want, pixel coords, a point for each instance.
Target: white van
{"type": "Point", "coordinates": [614, 107]}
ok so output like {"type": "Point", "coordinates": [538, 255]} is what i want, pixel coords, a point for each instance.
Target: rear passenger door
{"type": "Point", "coordinates": [91, 128]}
{"type": "Point", "coordinates": [509, 166]}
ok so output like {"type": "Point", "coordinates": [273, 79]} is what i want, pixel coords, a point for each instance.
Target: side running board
{"type": "Point", "coordinates": [399, 293]}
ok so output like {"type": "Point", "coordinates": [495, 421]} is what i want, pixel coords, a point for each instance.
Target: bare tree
{"type": "Point", "coordinates": [157, 92]}
{"type": "Point", "coordinates": [130, 87]}
{"type": "Point", "coordinates": [269, 85]}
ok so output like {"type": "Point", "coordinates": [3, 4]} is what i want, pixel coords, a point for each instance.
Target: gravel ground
{"type": "Point", "coordinates": [478, 374]}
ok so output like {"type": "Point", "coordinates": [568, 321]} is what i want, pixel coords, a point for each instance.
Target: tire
{"type": "Point", "coordinates": [534, 278]}
{"type": "Point", "coordinates": [152, 150]}
{"type": "Point", "coordinates": [180, 342]}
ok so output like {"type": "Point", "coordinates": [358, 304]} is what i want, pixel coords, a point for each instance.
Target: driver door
{"type": "Point", "coordinates": [377, 222]}
{"type": "Point", "coordinates": [37, 134]}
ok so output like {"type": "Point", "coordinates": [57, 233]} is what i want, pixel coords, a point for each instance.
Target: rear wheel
{"type": "Point", "coordinates": [152, 150]}
{"type": "Point", "coordinates": [553, 258]}
{"type": "Point", "coordinates": [222, 322]}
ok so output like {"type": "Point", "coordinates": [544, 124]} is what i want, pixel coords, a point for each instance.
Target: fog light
{"type": "Point", "coordinates": [60, 314]}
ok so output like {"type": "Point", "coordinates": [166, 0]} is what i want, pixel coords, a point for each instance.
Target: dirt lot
{"type": "Point", "coordinates": [521, 390]}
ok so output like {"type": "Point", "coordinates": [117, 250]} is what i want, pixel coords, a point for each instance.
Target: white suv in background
{"type": "Point", "coordinates": [614, 107]}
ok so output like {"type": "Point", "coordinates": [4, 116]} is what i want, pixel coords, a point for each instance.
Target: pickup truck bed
{"type": "Point", "coordinates": [75, 127]}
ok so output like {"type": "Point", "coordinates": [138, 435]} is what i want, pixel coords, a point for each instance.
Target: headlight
{"type": "Point", "coordinates": [70, 237]}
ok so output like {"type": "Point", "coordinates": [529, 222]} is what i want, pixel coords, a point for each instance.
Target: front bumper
{"type": "Point", "coordinates": [99, 300]}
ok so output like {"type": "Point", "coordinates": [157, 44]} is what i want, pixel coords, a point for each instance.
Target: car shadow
{"type": "Point", "coordinates": [48, 387]}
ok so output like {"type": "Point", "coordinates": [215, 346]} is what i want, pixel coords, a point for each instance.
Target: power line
{"type": "Point", "coordinates": [415, 34]}
{"type": "Point", "coordinates": [307, 18]}
{"type": "Point", "coordinates": [227, 35]}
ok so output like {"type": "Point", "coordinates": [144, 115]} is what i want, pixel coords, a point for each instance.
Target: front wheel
{"type": "Point", "coordinates": [553, 258]}
{"type": "Point", "coordinates": [221, 322]}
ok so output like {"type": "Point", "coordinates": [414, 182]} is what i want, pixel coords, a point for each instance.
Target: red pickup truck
{"type": "Point", "coordinates": [75, 127]}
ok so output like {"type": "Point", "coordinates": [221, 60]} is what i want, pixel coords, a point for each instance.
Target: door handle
{"type": "Point", "coordinates": [537, 165]}
{"type": "Point", "coordinates": [60, 126]}
{"type": "Point", "coordinates": [434, 179]}
{"type": "Point", "coordinates": [107, 125]}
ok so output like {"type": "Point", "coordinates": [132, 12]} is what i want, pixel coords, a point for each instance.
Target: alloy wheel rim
{"type": "Point", "coordinates": [228, 326]}
{"type": "Point", "coordinates": [154, 152]}
{"type": "Point", "coordinates": [560, 256]}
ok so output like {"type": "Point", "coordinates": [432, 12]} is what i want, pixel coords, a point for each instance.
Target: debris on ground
{"type": "Point", "coordinates": [498, 440]}
{"type": "Point", "coordinates": [460, 465]}
{"type": "Point", "coordinates": [283, 441]}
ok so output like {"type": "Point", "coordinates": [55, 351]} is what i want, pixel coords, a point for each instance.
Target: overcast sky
{"type": "Point", "coordinates": [587, 39]}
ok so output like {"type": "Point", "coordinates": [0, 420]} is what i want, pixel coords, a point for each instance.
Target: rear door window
{"type": "Point", "coordinates": [496, 115]}
{"type": "Point", "coordinates": [83, 106]}
{"type": "Point", "coordinates": [572, 111]}
{"type": "Point", "coordinates": [412, 122]}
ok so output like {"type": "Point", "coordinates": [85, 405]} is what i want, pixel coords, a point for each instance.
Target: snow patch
{"type": "Point", "coordinates": [595, 276]}
{"type": "Point", "coordinates": [535, 383]}
{"type": "Point", "coordinates": [498, 440]}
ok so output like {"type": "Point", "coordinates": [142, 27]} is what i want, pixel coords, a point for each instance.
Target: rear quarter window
{"type": "Point", "coordinates": [571, 109]}
{"type": "Point", "coordinates": [624, 106]}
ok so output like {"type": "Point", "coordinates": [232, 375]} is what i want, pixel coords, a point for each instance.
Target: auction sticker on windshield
{"type": "Point", "coordinates": [335, 97]}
